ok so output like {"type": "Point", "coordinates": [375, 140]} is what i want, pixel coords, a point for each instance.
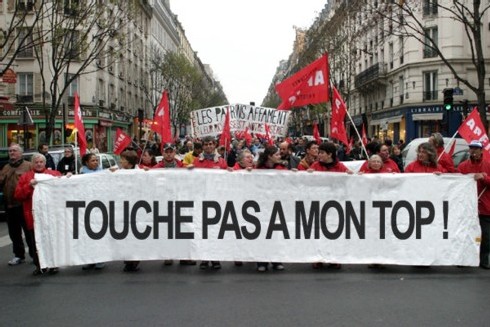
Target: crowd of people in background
{"type": "Point", "coordinates": [294, 154]}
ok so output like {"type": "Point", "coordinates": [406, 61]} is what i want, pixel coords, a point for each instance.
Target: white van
{"type": "Point", "coordinates": [409, 153]}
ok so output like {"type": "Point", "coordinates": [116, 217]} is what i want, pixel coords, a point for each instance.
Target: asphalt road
{"type": "Point", "coordinates": [177, 295]}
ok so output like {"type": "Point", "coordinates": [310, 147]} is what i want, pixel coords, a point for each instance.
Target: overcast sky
{"type": "Point", "coordinates": [243, 41]}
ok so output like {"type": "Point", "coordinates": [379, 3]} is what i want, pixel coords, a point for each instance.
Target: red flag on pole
{"type": "Point", "coordinates": [472, 128]}
{"type": "Point", "coordinates": [308, 86]}
{"type": "Point", "coordinates": [79, 128]}
{"type": "Point", "coordinates": [453, 147]}
{"type": "Point", "coordinates": [161, 119]}
{"type": "Point", "coordinates": [339, 110]}
{"type": "Point", "coordinates": [316, 133]}
{"type": "Point", "coordinates": [364, 136]}
{"type": "Point", "coordinates": [225, 138]}
{"type": "Point", "coordinates": [122, 141]}
{"type": "Point", "coordinates": [268, 137]}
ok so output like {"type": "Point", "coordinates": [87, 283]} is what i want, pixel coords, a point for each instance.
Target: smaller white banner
{"type": "Point", "coordinates": [209, 121]}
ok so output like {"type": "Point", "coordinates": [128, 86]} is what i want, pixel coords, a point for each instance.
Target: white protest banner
{"type": "Point", "coordinates": [413, 219]}
{"type": "Point", "coordinates": [209, 121]}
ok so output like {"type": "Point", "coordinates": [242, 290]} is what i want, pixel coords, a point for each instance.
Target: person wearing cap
{"type": "Point", "coordinates": [480, 167]}
{"type": "Point", "coordinates": [169, 160]}
{"type": "Point", "coordinates": [444, 159]}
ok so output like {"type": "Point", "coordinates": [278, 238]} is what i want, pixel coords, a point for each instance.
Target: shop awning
{"type": "Point", "coordinates": [389, 120]}
{"type": "Point", "coordinates": [436, 116]}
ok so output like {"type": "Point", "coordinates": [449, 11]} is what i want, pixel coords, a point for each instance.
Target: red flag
{"type": "Point", "coordinates": [122, 141]}
{"type": "Point", "coordinates": [472, 128]}
{"type": "Point", "coordinates": [247, 137]}
{"type": "Point", "coordinates": [225, 138]}
{"type": "Point", "coordinates": [308, 86]}
{"type": "Point", "coordinates": [161, 120]}
{"type": "Point", "coordinates": [79, 128]}
{"type": "Point", "coordinates": [337, 127]}
{"type": "Point", "coordinates": [349, 146]}
{"type": "Point", "coordinates": [364, 136]}
{"type": "Point", "coordinates": [316, 134]}
{"type": "Point", "coordinates": [268, 137]}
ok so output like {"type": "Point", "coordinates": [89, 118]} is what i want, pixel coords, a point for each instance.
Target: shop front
{"type": "Point", "coordinates": [388, 125]}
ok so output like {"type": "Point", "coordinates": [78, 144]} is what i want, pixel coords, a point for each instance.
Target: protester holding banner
{"type": "Point", "coordinates": [90, 164]}
{"type": "Point", "coordinates": [24, 192]}
{"type": "Point", "coordinates": [375, 165]}
{"type": "Point", "coordinates": [286, 149]}
{"type": "Point", "coordinates": [147, 159]}
{"type": "Point", "coordinates": [129, 160]}
{"type": "Point", "coordinates": [245, 160]}
{"type": "Point", "coordinates": [311, 154]}
{"type": "Point", "coordinates": [327, 160]}
{"type": "Point", "coordinates": [169, 160]}
{"type": "Point", "coordinates": [426, 161]}
{"type": "Point", "coordinates": [389, 166]}
{"type": "Point", "coordinates": [444, 159]}
{"type": "Point", "coordinates": [191, 155]}
{"type": "Point", "coordinates": [270, 159]}
{"type": "Point", "coordinates": [211, 160]}
{"type": "Point", "coordinates": [477, 165]}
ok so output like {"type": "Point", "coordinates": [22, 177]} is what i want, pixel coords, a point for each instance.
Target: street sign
{"type": "Point", "coordinates": [457, 91]}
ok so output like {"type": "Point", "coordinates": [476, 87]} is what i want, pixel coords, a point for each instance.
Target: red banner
{"type": "Point", "coordinates": [316, 133]}
{"type": "Point", "coordinates": [122, 141]}
{"type": "Point", "coordinates": [364, 136]}
{"type": "Point", "coordinates": [80, 129]}
{"type": "Point", "coordinates": [339, 110]}
{"type": "Point", "coordinates": [308, 86]}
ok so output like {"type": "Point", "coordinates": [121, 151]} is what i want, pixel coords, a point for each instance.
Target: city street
{"type": "Point", "coordinates": [177, 295]}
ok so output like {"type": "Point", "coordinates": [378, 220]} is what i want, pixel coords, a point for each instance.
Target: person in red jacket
{"type": "Point", "coordinates": [477, 165]}
{"type": "Point", "coordinates": [24, 192]}
{"type": "Point", "coordinates": [426, 161]}
{"type": "Point", "coordinates": [311, 154]}
{"type": "Point", "coordinates": [169, 160]}
{"type": "Point", "coordinates": [211, 160]}
{"type": "Point", "coordinates": [245, 160]}
{"type": "Point", "coordinates": [389, 165]}
{"type": "Point", "coordinates": [327, 160]}
{"type": "Point", "coordinates": [443, 158]}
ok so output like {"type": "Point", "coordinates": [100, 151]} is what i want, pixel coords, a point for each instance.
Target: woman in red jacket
{"type": "Point", "coordinates": [426, 161]}
{"type": "Point", "coordinates": [24, 192]}
{"type": "Point", "coordinates": [327, 160]}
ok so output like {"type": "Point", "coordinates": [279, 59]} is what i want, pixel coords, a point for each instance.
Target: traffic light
{"type": "Point", "coordinates": [448, 99]}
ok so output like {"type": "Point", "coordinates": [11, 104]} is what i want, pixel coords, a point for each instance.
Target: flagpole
{"type": "Point", "coordinates": [76, 156]}
{"type": "Point", "coordinates": [357, 132]}
{"type": "Point", "coordinates": [447, 146]}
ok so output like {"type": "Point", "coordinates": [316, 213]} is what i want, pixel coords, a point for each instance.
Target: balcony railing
{"type": "Point", "coordinates": [371, 74]}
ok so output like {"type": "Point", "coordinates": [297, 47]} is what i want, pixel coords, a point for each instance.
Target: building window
{"type": "Point", "coordinates": [24, 40]}
{"type": "Point", "coordinates": [430, 7]}
{"type": "Point", "coordinates": [73, 87]}
{"type": "Point", "coordinates": [25, 87]}
{"type": "Point", "coordinates": [72, 44]}
{"type": "Point", "coordinates": [27, 5]}
{"type": "Point", "coordinates": [390, 54]}
{"type": "Point", "coordinates": [431, 41]}
{"type": "Point", "coordinates": [71, 7]}
{"type": "Point", "coordinates": [430, 86]}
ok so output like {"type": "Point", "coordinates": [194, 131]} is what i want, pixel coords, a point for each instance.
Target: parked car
{"type": "Point", "coordinates": [409, 153]}
{"type": "Point", "coordinates": [107, 160]}
{"type": "Point", "coordinates": [57, 153]}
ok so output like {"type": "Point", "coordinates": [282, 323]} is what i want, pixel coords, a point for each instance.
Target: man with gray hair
{"type": "Point", "coordinates": [9, 177]}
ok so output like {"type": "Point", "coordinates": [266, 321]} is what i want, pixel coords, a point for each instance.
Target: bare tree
{"type": "Point", "coordinates": [77, 33]}
{"type": "Point", "coordinates": [404, 19]}
{"type": "Point", "coordinates": [17, 35]}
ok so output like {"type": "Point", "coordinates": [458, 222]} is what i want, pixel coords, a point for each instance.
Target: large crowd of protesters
{"type": "Point", "coordinates": [295, 154]}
